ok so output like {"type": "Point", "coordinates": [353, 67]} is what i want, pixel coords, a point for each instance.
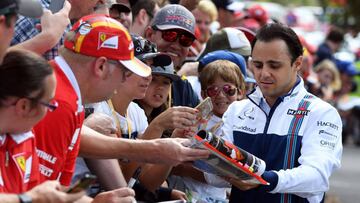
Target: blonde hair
{"type": "Point", "coordinates": [226, 70]}
{"type": "Point", "coordinates": [329, 65]}
{"type": "Point", "coordinates": [209, 8]}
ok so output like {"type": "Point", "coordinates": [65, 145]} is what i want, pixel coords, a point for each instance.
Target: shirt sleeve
{"type": "Point", "coordinates": [320, 155]}
{"type": "Point", "coordinates": [57, 135]}
{"type": "Point", "coordinates": [73, 151]}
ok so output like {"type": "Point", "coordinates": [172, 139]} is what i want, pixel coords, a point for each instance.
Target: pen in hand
{"type": "Point", "coordinates": [134, 178]}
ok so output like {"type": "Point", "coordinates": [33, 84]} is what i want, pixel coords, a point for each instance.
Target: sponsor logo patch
{"type": "Point", "coordinates": [298, 112]}
{"type": "Point", "coordinates": [245, 128]}
{"type": "Point", "coordinates": [23, 162]}
{"type": "Point", "coordinates": [328, 124]}
{"type": "Point", "coordinates": [85, 29]}
{"type": "Point", "coordinates": [327, 135]}
{"type": "Point", "coordinates": [45, 170]}
{"type": "Point", "coordinates": [247, 114]}
{"type": "Point", "coordinates": [109, 41]}
{"type": "Point", "coordinates": [327, 144]}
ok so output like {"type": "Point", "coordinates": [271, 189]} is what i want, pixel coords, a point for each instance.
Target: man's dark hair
{"type": "Point", "coordinates": [147, 5]}
{"type": "Point", "coordinates": [274, 31]}
{"type": "Point", "coordinates": [22, 73]}
{"type": "Point", "coordinates": [335, 35]}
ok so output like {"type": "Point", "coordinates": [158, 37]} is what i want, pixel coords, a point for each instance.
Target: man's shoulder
{"type": "Point", "coordinates": [237, 107]}
{"type": "Point", "coordinates": [184, 94]}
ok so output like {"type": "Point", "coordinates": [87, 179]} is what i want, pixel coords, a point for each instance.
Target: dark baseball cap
{"type": "Point", "coordinates": [161, 63]}
{"type": "Point", "coordinates": [122, 8]}
{"type": "Point", "coordinates": [174, 16]}
{"type": "Point", "coordinates": [225, 4]}
{"type": "Point", "coordinates": [28, 8]}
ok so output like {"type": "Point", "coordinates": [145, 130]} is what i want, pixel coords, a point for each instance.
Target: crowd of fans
{"type": "Point", "coordinates": [110, 86]}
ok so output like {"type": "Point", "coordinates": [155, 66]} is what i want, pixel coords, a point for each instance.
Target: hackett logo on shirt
{"type": "Point", "coordinates": [328, 124]}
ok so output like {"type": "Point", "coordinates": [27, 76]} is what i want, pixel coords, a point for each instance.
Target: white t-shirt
{"type": "Point", "coordinates": [136, 118]}
{"type": "Point", "coordinates": [137, 121]}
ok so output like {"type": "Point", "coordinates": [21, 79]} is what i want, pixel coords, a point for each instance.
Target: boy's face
{"type": "Point", "coordinates": [222, 94]}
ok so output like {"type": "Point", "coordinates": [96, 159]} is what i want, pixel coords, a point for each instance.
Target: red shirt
{"type": "Point", "coordinates": [57, 135]}
{"type": "Point", "coordinates": [19, 168]}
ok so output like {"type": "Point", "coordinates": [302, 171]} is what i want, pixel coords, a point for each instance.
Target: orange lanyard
{"type": "Point", "coordinates": [115, 116]}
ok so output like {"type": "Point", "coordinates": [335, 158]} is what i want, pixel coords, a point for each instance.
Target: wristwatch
{"type": "Point", "coordinates": [24, 198]}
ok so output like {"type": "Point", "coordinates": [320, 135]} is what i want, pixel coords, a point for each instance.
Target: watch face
{"type": "Point", "coordinates": [24, 198]}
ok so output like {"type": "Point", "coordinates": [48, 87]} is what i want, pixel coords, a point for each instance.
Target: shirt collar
{"type": "Point", "coordinates": [70, 75]}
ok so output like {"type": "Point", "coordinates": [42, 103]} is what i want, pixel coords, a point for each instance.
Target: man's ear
{"type": "Point", "coordinates": [298, 63]}
{"type": "Point", "coordinates": [101, 68]}
{"type": "Point", "coordinates": [23, 107]}
{"type": "Point", "coordinates": [149, 32]}
{"type": "Point", "coordinates": [2, 18]}
{"type": "Point", "coordinates": [142, 16]}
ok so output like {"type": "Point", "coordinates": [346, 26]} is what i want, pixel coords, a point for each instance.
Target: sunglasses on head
{"type": "Point", "coordinates": [185, 38]}
{"type": "Point", "coordinates": [228, 90]}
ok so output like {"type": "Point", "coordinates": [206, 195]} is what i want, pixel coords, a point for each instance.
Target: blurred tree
{"type": "Point", "coordinates": [341, 12]}
{"type": "Point", "coordinates": [353, 8]}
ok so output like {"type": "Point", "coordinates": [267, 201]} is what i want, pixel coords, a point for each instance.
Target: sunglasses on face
{"type": "Point", "coordinates": [185, 39]}
{"type": "Point", "coordinates": [228, 90]}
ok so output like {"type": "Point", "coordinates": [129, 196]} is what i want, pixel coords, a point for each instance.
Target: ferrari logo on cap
{"type": "Point", "coordinates": [102, 37]}
{"type": "Point", "coordinates": [109, 41]}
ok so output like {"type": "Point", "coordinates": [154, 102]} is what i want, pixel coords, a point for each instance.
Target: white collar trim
{"type": "Point", "coordinates": [70, 75]}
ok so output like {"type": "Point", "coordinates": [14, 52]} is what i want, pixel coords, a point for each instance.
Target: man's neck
{"type": "Point", "coordinates": [121, 103]}
{"type": "Point", "coordinates": [270, 101]}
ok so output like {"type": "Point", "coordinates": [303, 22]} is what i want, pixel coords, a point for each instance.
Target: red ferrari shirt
{"type": "Point", "coordinates": [57, 135]}
{"type": "Point", "coordinates": [19, 168]}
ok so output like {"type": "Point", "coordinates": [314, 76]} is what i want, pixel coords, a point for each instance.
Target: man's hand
{"type": "Point", "coordinates": [49, 192]}
{"type": "Point", "coordinates": [178, 195]}
{"type": "Point", "coordinates": [241, 184]}
{"type": "Point", "coordinates": [101, 123]}
{"type": "Point", "coordinates": [54, 25]}
{"type": "Point", "coordinates": [190, 68]}
{"type": "Point", "coordinates": [121, 195]}
{"type": "Point", "coordinates": [177, 117]}
{"type": "Point", "coordinates": [174, 151]}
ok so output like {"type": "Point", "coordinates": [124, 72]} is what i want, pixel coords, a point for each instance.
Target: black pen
{"type": "Point", "coordinates": [134, 177]}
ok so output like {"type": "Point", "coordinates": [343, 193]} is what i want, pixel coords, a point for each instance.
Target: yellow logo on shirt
{"type": "Point", "coordinates": [21, 162]}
